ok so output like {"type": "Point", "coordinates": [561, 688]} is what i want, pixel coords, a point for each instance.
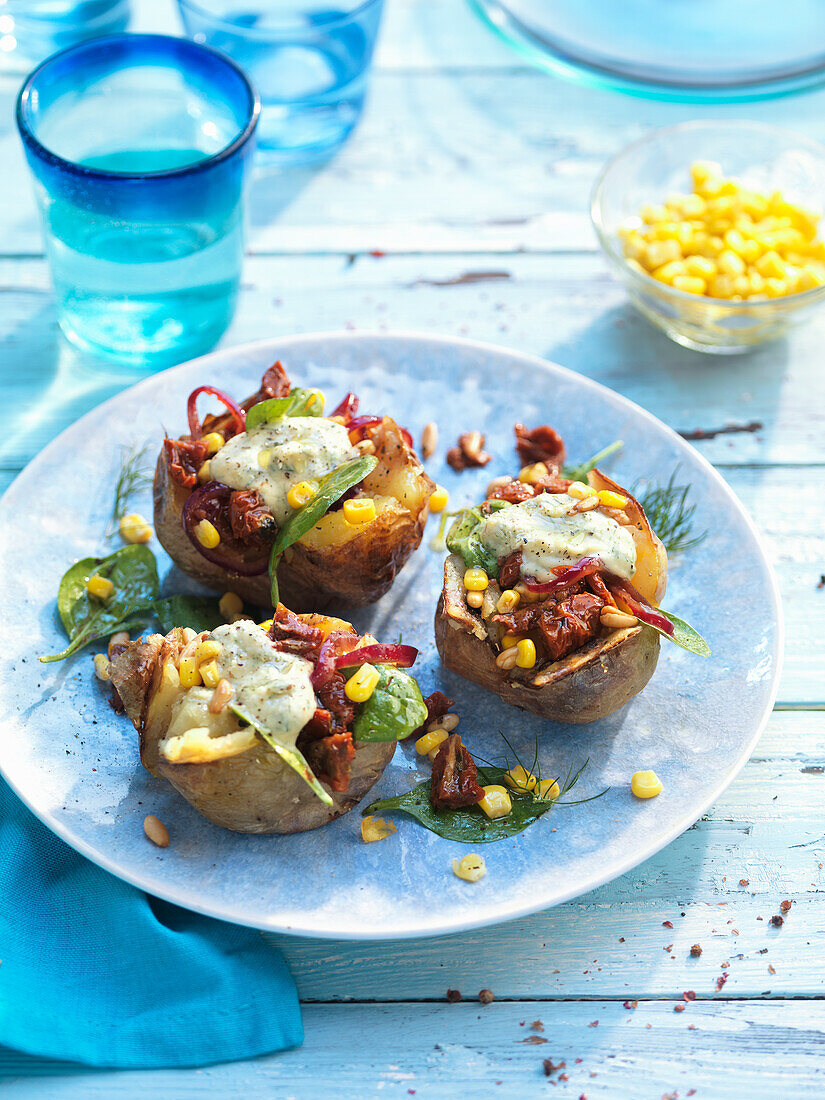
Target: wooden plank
{"type": "Point", "coordinates": [715, 1051]}
{"type": "Point", "coordinates": [565, 308]}
{"type": "Point", "coordinates": [472, 162]}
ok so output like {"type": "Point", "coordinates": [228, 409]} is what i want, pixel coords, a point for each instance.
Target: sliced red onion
{"type": "Point", "coordinates": [210, 501]}
{"type": "Point", "coordinates": [638, 604]}
{"type": "Point", "coordinates": [333, 646]}
{"type": "Point", "coordinates": [238, 415]}
{"type": "Point", "coordinates": [565, 575]}
{"type": "Point", "coordinates": [347, 408]}
{"type": "Point", "coordinates": [402, 656]}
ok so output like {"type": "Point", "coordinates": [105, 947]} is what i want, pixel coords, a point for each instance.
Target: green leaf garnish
{"type": "Point", "coordinates": [579, 473]}
{"type": "Point", "coordinates": [394, 709]}
{"type": "Point", "coordinates": [684, 635]}
{"type": "Point", "coordinates": [463, 538]}
{"type": "Point", "coordinates": [290, 756]}
{"type": "Point", "coordinates": [197, 612]}
{"type": "Point", "coordinates": [132, 571]}
{"type": "Point", "coordinates": [470, 824]}
{"type": "Point", "coordinates": [298, 402]}
{"type": "Point", "coordinates": [331, 487]}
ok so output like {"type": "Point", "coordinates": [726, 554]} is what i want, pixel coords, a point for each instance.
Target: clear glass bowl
{"type": "Point", "coordinates": [765, 159]}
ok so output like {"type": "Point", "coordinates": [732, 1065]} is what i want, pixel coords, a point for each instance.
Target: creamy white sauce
{"type": "Point", "coordinates": [548, 536]}
{"type": "Point", "coordinates": [297, 448]}
{"type": "Point", "coordinates": [273, 688]}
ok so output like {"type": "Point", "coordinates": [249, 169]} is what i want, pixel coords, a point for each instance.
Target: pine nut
{"type": "Point", "coordinates": [587, 504]}
{"type": "Point", "coordinates": [121, 638]}
{"type": "Point", "coordinates": [156, 831]}
{"type": "Point", "coordinates": [472, 444]}
{"type": "Point", "coordinates": [429, 439]}
{"type": "Point", "coordinates": [365, 447]}
{"type": "Point", "coordinates": [101, 663]}
{"type": "Point", "coordinates": [475, 599]}
{"type": "Point", "coordinates": [496, 483]}
{"type": "Point", "coordinates": [506, 660]}
{"type": "Point", "coordinates": [220, 696]}
{"type": "Point", "coordinates": [448, 722]}
{"type": "Point", "coordinates": [616, 620]}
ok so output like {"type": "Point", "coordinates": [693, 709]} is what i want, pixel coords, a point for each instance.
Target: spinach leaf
{"type": "Point", "coordinates": [463, 539]}
{"type": "Point", "coordinates": [198, 612]}
{"type": "Point", "coordinates": [331, 487]}
{"type": "Point", "coordinates": [290, 756]}
{"type": "Point", "coordinates": [468, 824]}
{"type": "Point", "coordinates": [579, 473]}
{"type": "Point", "coordinates": [132, 571]}
{"type": "Point", "coordinates": [298, 402]}
{"type": "Point", "coordinates": [684, 635]}
{"type": "Point", "coordinates": [393, 710]}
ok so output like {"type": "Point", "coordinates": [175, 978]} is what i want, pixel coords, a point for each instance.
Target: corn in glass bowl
{"type": "Point", "coordinates": [762, 158]}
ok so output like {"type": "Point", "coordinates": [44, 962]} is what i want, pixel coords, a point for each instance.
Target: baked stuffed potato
{"type": "Point", "coordinates": [552, 590]}
{"type": "Point", "coordinates": [276, 728]}
{"type": "Point", "coordinates": [329, 508]}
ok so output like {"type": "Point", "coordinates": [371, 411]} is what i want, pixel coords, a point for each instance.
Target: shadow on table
{"type": "Point", "coordinates": [624, 351]}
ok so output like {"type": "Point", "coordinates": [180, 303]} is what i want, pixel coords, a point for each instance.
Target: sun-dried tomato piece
{"type": "Point", "coordinates": [455, 777]}
{"type": "Point", "coordinates": [330, 758]}
{"type": "Point", "coordinates": [275, 382]}
{"type": "Point", "coordinates": [566, 626]}
{"type": "Point", "coordinates": [185, 457]}
{"type": "Point", "coordinates": [437, 706]}
{"type": "Point", "coordinates": [509, 569]}
{"type": "Point", "coordinates": [249, 517]}
{"type": "Point", "coordinates": [542, 444]}
{"type": "Point", "coordinates": [290, 634]}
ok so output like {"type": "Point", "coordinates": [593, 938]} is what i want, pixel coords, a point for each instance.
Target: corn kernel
{"type": "Point", "coordinates": [531, 474]}
{"type": "Point", "coordinates": [526, 653]}
{"type": "Point", "coordinates": [509, 641]}
{"type": "Point", "coordinates": [652, 214]}
{"type": "Point", "coordinates": [519, 779]}
{"type": "Point", "coordinates": [359, 511]}
{"type": "Point", "coordinates": [662, 252]}
{"type": "Point", "coordinates": [209, 673]}
{"type": "Point", "coordinates": [578, 490]}
{"type": "Point", "coordinates": [496, 801]}
{"type": "Point", "coordinates": [430, 740]}
{"type": "Point", "coordinates": [205, 472]}
{"type": "Point", "coordinates": [777, 288]}
{"type": "Point", "coordinates": [693, 206]}
{"type": "Point", "coordinates": [508, 601]}
{"type": "Point", "coordinates": [208, 650]}
{"type": "Point", "coordinates": [669, 271]}
{"type": "Point", "coordinates": [214, 441]}
{"type": "Point", "coordinates": [99, 587]}
{"type": "Point", "coordinates": [611, 500]}
{"type": "Point", "coordinates": [375, 828]}
{"type": "Point", "coordinates": [741, 284]}
{"type": "Point", "coordinates": [721, 287]}
{"type": "Point", "coordinates": [811, 278]}
{"type": "Point", "coordinates": [645, 784]}
{"type": "Point", "coordinates": [771, 265]}
{"type": "Point", "coordinates": [266, 626]}
{"type": "Point", "coordinates": [362, 684]}
{"type": "Point", "coordinates": [189, 674]}
{"type": "Point", "coordinates": [471, 868]}
{"type": "Point", "coordinates": [230, 606]}
{"type": "Point", "coordinates": [101, 663]}
{"type": "Point", "coordinates": [703, 170]}
{"type": "Point", "coordinates": [134, 528]}
{"type": "Point", "coordinates": [438, 499]}
{"type": "Point", "coordinates": [476, 580]}
{"type": "Point", "coordinates": [689, 284]}
{"type": "Point", "coordinates": [700, 266]}
{"type": "Point", "coordinates": [207, 534]}
{"type": "Point", "coordinates": [301, 494]}
{"type": "Point", "coordinates": [731, 264]}
{"type": "Point", "coordinates": [548, 790]}
{"type": "Point", "coordinates": [635, 247]}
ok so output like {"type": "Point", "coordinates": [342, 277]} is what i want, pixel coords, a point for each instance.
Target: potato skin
{"type": "Point", "coordinates": [589, 684]}
{"type": "Point", "coordinates": [254, 792]}
{"type": "Point", "coordinates": [321, 571]}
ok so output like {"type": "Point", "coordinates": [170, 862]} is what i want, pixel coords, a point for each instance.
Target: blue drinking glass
{"type": "Point", "coordinates": [32, 29]}
{"type": "Point", "coordinates": [138, 145]}
{"type": "Point", "coordinates": [309, 59]}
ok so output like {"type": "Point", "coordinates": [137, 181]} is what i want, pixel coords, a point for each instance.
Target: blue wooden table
{"type": "Point", "coordinates": [460, 207]}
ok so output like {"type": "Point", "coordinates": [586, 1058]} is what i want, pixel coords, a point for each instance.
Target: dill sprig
{"type": "Point", "coordinates": [570, 780]}
{"type": "Point", "coordinates": [670, 515]}
{"type": "Point", "coordinates": [134, 474]}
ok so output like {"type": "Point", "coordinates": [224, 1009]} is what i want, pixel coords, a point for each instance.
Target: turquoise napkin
{"type": "Point", "coordinates": [96, 971]}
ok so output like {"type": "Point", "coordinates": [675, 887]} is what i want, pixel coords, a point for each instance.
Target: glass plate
{"type": "Point", "coordinates": [688, 50]}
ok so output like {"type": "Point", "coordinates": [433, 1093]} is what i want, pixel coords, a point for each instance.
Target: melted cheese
{"type": "Point", "coordinates": [273, 458]}
{"type": "Point", "coordinates": [549, 534]}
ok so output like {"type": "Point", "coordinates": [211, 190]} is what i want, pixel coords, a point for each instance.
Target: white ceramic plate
{"type": "Point", "coordinates": [75, 763]}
